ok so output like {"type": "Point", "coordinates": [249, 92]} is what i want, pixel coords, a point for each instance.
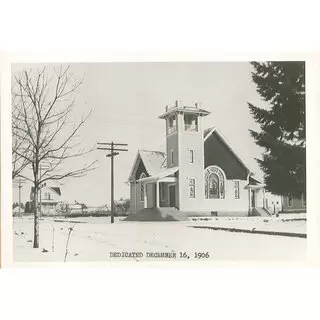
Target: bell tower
{"type": "Point", "coordinates": [185, 149]}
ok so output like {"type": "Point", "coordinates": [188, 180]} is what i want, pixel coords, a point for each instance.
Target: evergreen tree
{"type": "Point", "coordinates": [283, 132]}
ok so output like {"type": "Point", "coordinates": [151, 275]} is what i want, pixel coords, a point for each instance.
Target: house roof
{"type": "Point", "coordinates": [154, 162]}
{"type": "Point", "coordinates": [162, 174]}
{"type": "Point", "coordinates": [55, 189]}
{"type": "Point", "coordinates": [254, 183]}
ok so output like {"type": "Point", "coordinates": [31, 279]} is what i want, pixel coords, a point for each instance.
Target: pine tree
{"type": "Point", "coordinates": [283, 132]}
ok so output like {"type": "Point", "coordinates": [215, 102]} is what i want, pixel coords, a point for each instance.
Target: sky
{"type": "Point", "coordinates": [126, 100]}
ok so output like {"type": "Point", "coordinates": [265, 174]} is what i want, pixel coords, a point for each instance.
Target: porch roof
{"type": "Point", "coordinates": [165, 173]}
{"type": "Point", "coordinates": [254, 183]}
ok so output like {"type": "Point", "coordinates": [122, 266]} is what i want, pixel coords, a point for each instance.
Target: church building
{"type": "Point", "coordinates": [200, 173]}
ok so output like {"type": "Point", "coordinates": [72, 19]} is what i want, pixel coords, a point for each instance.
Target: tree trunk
{"type": "Point", "coordinates": [36, 219]}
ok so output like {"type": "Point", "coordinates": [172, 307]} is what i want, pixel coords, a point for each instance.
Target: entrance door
{"type": "Point", "coordinates": [172, 196]}
{"type": "Point", "coordinates": [253, 199]}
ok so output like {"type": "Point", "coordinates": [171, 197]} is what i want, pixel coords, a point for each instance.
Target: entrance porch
{"type": "Point", "coordinates": [161, 193]}
{"type": "Point", "coordinates": [256, 193]}
{"type": "Point", "coordinates": [158, 191]}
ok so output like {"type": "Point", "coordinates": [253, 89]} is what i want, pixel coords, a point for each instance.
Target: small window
{"type": "Point", "coordinates": [172, 124]}
{"type": "Point", "coordinates": [191, 122]}
{"type": "Point", "coordinates": [236, 190]}
{"type": "Point", "coordinates": [191, 156]}
{"type": "Point", "coordinates": [192, 188]}
{"type": "Point", "coordinates": [290, 199]}
{"type": "Point", "coordinates": [172, 153]}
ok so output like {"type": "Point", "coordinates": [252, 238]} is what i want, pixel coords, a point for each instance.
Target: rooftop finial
{"type": "Point", "coordinates": [177, 103]}
{"type": "Point", "coordinates": [198, 105]}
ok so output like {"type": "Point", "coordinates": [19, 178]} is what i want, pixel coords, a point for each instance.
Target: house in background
{"type": "Point", "coordinates": [49, 197]}
{"type": "Point", "coordinates": [273, 203]}
{"type": "Point", "coordinates": [76, 208]}
{"type": "Point", "coordinates": [121, 207]}
{"type": "Point", "coordinates": [200, 173]}
{"type": "Point", "coordinates": [292, 204]}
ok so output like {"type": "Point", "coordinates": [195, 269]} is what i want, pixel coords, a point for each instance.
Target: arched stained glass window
{"type": "Point", "coordinates": [213, 186]}
{"type": "Point", "coordinates": [214, 180]}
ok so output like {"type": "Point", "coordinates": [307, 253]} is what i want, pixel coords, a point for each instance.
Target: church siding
{"type": "Point", "coordinates": [229, 203]}
{"type": "Point", "coordinates": [217, 153]}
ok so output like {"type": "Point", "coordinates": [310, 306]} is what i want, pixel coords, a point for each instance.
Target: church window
{"type": "Point", "coordinates": [236, 189]}
{"type": "Point", "coordinates": [214, 183]}
{"type": "Point", "coordinates": [192, 188]}
{"type": "Point", "coordinates": [191, 156]}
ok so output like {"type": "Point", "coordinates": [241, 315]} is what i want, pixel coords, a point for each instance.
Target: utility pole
{"type": "Point", "coordinates": [19, 182]}
{"type": "Point", "coordinates": [114, 151]}
{"type": "Point", "coordinates": [40, 193]}
{"type": "Point", "coordinates": [41, 167]}
{"type": "Point", "coordinates": [19, 186]}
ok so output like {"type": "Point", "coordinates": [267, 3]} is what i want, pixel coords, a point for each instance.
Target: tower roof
{"type": "Point", "coordinates": [179, 107]}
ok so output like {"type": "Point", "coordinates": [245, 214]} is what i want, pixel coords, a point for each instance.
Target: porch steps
{"type": "Point", "coordinates": [261, 212]}
{"type": "Point", "coordinates": [157, 214]}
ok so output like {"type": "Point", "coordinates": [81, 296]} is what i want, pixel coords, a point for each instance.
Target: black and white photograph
{"type": "Point", "coordinates": [159, 161]}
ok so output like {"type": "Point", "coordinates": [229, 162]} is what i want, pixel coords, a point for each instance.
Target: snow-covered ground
{"type": "Point", "coordinates": [94, 239]}
{"type": "Point", "coordinates": [289, 223]}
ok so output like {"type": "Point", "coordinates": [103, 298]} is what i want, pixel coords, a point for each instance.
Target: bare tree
{"type": "Point", "coordinates": [20, 143]}
{"type": "Point", "coordinates": [44, 121]}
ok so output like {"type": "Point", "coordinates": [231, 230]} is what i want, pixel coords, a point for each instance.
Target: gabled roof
{"type": "Point", "coordinates": [208, 132]}
{"type": "Point", "coordinates": [154, 162]}
{"type": "Point", "coordinates": [55, 189]}
{"type": "Point", "coordinates": [254, 181]}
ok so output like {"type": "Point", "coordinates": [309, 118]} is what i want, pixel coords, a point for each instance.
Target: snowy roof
{"type": "Point", "coordinates": [55, 189]}
{"type": "Point", "coordinates": [154, 161]}
{"type": "Point", "coordinates": [162, 174]}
